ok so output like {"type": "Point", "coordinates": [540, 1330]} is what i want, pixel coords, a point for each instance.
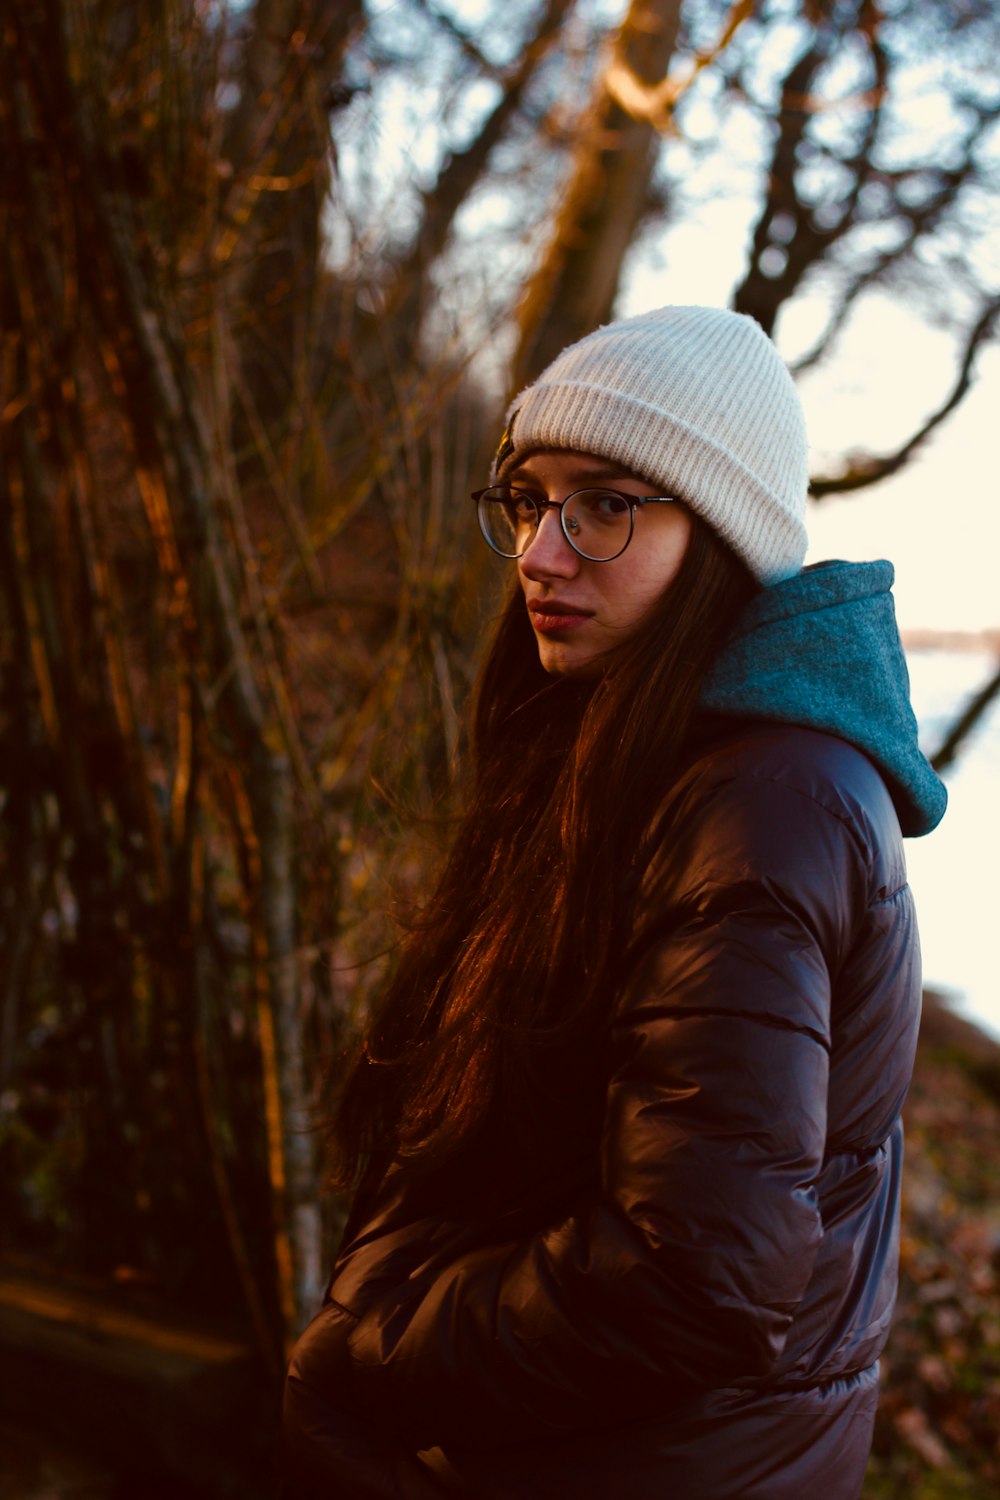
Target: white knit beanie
{"type": "Point", "coordinates": [695, 400]}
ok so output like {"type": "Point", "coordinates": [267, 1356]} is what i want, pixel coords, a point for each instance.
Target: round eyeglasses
{"type": "Point", "coordinates": [597, 523]}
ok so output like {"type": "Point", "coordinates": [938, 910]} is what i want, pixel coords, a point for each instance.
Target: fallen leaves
{"type": "Point", "coordinates": [938, 1430]}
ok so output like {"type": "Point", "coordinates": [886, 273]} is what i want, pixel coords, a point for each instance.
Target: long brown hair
{"type": "Point", "coordinates": [513, 961]}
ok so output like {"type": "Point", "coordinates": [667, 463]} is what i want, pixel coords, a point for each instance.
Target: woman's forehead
{"type": "Point", "coordinates": [568, 464]}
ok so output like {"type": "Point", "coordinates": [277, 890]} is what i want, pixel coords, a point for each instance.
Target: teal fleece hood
{"type": "Point", "coordinates": [822, 649]}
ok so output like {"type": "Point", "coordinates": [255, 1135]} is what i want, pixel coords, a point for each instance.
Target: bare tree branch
{"type": "Point", "coordinates": [461, 173]}
{"type": "Point", "coordinates": [868, 471]}
{"type": "Point", "coordinates": [921, 219]}
{"type": "Point", "coordinates": [469, 48]}
{"type": "Point", "coordinates": [656, 103]}
{"type": "Point", "coordinates": [268, 233]}
{"type": "Point", "coordinates": [966, 722]}
{"type": "Point", "coordinates": [765, 289]}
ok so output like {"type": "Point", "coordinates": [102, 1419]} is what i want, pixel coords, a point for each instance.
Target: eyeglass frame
{"type": "Point", "coordinates": [541, 506]}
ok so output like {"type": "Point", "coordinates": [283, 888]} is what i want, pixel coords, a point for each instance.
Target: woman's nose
{"type": "Point", "coordinates": [549, 554]}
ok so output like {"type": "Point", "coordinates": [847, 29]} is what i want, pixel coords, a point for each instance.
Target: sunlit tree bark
{"type": "Point", "coordinates": [574, 287]}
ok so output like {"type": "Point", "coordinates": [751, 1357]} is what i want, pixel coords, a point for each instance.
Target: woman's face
{"type": "Point", "coordinates": [580, 610]}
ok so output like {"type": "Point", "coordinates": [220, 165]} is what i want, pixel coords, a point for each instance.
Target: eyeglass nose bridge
{"type": "Point", "coordinates": [540, 507]}
{"type": "Point", "coordinates": [567, 524]}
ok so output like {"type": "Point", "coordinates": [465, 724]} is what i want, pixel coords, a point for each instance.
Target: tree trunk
{"type": "Point", "coordinates": [574, 289]}
{"type": "Point", "coordinates": [163, 404]}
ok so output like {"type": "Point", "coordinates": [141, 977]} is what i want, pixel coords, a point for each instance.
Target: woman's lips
{"type": "Point", "coordinates": [554, 616]}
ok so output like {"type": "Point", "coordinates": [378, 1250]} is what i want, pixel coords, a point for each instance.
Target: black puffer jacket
{"type": "Point", "coordinates": [700, 1315]}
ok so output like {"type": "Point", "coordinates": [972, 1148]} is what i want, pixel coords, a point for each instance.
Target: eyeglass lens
{"type": "Point", "coordinates": [597, 523]}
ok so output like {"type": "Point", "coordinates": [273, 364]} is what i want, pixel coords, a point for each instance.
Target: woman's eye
{"type": "Point", "coordinates": [607, 506]}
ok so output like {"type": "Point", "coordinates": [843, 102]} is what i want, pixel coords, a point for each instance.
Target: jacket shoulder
{"type": "Point", "coordinates": [769, 792]}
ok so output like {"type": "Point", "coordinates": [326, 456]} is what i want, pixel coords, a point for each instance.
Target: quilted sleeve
{"type": "Point", "coordinates": [685, 1269]}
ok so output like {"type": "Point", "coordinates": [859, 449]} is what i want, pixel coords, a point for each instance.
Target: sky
{"type": "Point", "coordinates": [938, 520]}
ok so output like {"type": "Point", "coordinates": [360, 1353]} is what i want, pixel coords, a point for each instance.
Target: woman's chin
{"type": "Point", "coordinates": [563, 660]}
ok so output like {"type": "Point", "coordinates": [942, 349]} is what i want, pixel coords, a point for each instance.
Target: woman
{"type": "Point", "coordinates": [627, 1127]}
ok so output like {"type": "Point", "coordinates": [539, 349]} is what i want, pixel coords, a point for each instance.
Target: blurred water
{"type": "Point", "coordinates": [955, 871]}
